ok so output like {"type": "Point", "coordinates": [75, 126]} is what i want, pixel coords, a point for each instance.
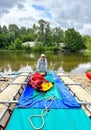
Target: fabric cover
{"type": "Point", "coordinates": [63, 98]}
{"type": "Point", "coordinates": [56, 119]}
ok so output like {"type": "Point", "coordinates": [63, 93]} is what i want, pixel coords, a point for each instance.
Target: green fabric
{"type": "Point", "coordinates": [56, 119]}
{"type": "Point", "coordinates": [49, 77]}
{"type": "Point", "coordinates": [52, 92]}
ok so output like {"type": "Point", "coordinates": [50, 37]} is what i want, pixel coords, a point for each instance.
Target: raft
{"type": "Point", "coordinates": [51, 110]}
{"type": "Point", "coordinates": [88, 74]}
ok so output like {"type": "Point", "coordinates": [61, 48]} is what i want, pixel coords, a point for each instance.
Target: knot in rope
{"type": "Point", "coordinates": [44, 112]}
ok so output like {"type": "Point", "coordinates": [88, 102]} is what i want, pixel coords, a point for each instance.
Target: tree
{"type": "Point", "coordinates": [11, 36]}
{"type": "Point", "coordinates": [4, 40]}
{"type": "Point", "coordinates": [14, 28]}
{"type": "Point", "coordinates": [44, 34]}
{"type": "Point", "coordinates": [18, 44]}
{"type": "Point", "coordinates": [35, 28]}
{"type": "Point", "coordinates": [23, 30]}
{"type": "Point", "coordinates": [48, 35]}
{"type": "Point", "coordinates": [87, 40]}
{"type": "Point", "coordinates": [73, 40]}
{"type": "Point", "coordinates": [41, 30]}
{"type": "Point", "coordinates": [5, 29]}
{"type": "Point", "coordinates": [1, 30]}
{"type": "Point", "coordinates": [57, 35]}
{"type": "Point", "coordinates": [29, 37]}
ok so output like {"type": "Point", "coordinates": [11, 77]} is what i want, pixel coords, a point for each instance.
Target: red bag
{"type": "Point", "coordinates": [36, 81]}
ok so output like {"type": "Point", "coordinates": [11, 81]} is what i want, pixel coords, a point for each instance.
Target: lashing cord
{"type": "Point", "coordinates": [44, 112]}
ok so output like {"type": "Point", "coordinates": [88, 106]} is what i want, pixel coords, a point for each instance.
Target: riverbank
{"type": "Point", "coordinates": [82, 79]}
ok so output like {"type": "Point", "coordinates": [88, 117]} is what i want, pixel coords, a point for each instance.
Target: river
{"type": "Point", "coordinates": [23, 61]}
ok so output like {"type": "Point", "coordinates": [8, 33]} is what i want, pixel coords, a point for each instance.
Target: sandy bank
{"type": "Point", "coordinates": [82, 79]}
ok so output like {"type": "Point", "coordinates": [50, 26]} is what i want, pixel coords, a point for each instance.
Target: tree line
{"type": "Point", "coordinates": [46, 38]}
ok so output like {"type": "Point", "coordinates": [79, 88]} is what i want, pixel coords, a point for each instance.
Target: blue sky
{"type": "Point", "coordinates": [60, 13]}
{"type": "Point", "coordinates": [39, 8]}
{"type": "Point", "coordinates": [43, 9]}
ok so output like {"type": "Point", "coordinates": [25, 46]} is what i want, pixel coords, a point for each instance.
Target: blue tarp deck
{"type": "Point", "coordinates": [63, 97]}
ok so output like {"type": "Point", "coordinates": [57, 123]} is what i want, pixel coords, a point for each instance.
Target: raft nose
{"type": "Point", "coordinates": [88, 74]}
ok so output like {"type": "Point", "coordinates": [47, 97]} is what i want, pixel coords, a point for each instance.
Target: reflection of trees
{"type": "Point", "coordinates": [66, 62]}
{"type": "Point", "coordinates": [71, 62]}
{"type": "Point", "coordinates": [15, 60]}
{"type": "Point", "coordinates": [88, 54]}
{"type": "Point", "coordinates": [55, 61]}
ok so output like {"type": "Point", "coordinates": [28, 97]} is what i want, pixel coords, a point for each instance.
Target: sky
{"type": "Point", "coordinates": [59, 13]}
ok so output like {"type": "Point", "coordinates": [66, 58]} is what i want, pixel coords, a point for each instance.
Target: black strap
{"type": "Point", "coordinates": [1, 127]}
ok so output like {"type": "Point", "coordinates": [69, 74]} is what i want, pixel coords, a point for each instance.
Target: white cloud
{"type": "Point", "coordinates": [67, 13]}
{"type": "Point", "coordinates": [86, 29]}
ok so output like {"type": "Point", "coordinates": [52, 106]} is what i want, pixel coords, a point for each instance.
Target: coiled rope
{"type": "Point", "coordinates": [44, 112]}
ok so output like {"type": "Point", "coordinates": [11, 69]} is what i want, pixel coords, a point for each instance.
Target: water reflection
{"type": "Point", "coordinates": [82, 68]}
{"type": "Point", "coordinates": [21, 61]}
{"type": "Point", "coordinates": [26, 68]}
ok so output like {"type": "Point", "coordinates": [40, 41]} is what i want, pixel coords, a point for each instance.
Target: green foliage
{"type": "Point", "coordinates": [4, 29]}
{"type": "Point", "coordinates": [51, 48]}
{"type": "Point", "coordinates": [5, 40]}
{"type": "Point", "coordinates": [28, 37]}
{"type": "Point", "coordinates": [41, 30]}
{"type": "Point", "coordinates": [17, 45]}
{"type": "Point", "coordinates": [39, 47]}
{"type": "Point", "coordinates": [87, 40]}
{"type": "Point", "coordinates": [47, 38]}
{"type": "Point", "coordinates": [14, 28]}
{"type": "Point", "coordinates": [27, 48]}
{"type": "Point", "coordinates": [57, 35]}
{"type": "Point", "coordinates": [11, 47]}
{"type": "Point", "coordinates": [73, 40]}
{"type": "Point", "coordinates": [1, 30]}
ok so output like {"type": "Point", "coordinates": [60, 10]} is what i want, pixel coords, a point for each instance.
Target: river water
{"type": "Point", "coordinates": [23, 61]}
